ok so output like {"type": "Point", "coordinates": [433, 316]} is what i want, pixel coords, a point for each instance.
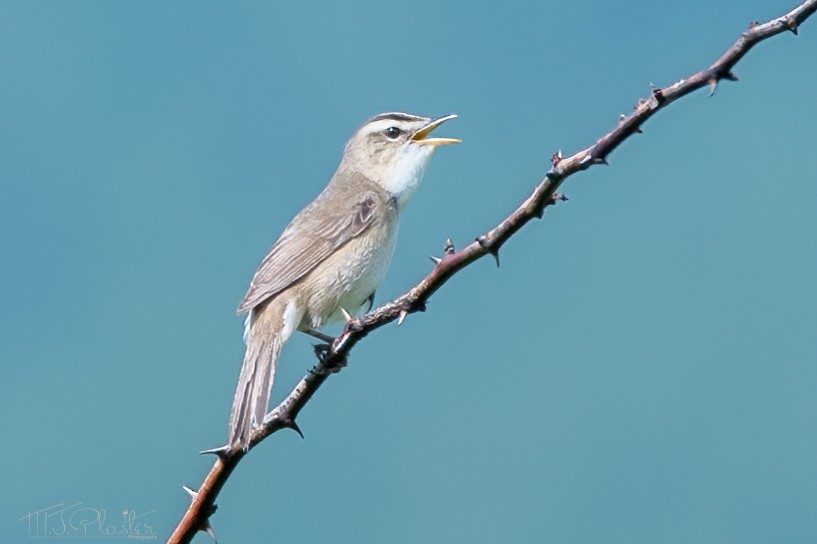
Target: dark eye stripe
{"type": "Point", "coordinates": [395, 116]}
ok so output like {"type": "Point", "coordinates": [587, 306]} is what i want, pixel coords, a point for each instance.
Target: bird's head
{"type": "Point", "coordinates": [393, 149]}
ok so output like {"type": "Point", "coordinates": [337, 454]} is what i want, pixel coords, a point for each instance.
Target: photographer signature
{"type": "Point", "coordinates": [76, 520]}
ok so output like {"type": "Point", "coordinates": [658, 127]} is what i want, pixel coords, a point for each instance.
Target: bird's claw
{"type": "Point", "coordinates": [321, 350]}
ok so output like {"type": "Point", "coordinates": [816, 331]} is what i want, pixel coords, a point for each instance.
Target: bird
{"type": "Point", "coordinates": [329, 260]}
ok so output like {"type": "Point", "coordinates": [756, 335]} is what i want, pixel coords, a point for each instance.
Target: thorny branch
{"type": "Point", "coordinates": [334, 357]}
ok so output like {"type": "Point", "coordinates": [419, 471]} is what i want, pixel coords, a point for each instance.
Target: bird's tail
{"type": "Point", "coordinates": [267, 331]}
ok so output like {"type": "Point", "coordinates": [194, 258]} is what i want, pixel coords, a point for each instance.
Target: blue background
{"type": "Point", "coordinates": [641, 369]}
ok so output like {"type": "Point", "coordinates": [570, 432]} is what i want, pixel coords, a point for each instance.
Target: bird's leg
{"type": "Point", "coordinates": [320, 349]}
{"type": "Point", "coordinates": [370, 300]}
{"type": "Point", "coordinates": [319, 335]}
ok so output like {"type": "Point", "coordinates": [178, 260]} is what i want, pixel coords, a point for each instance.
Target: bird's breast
{"type": "Point", "coordinates": [349, 276]}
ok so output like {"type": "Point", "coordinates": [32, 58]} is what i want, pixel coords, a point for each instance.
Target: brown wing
{"type": "Point", "coordinates": [315, 234]}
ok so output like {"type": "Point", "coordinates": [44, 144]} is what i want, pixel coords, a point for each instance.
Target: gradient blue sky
{"type": "Point", "coordinates": [642, 368]}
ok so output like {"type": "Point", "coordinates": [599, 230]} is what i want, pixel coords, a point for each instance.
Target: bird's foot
{"type": "Point", "coordinates": [322, 352]}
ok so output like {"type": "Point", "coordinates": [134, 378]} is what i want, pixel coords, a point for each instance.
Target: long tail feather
{"type": "Point", "coordinates": [265, 338]}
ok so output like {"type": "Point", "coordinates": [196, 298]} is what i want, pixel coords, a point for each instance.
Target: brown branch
{"type": "Point", "coordinates": [545, 194]}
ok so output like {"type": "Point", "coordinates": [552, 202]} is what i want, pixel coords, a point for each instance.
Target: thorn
{"type": "Point", "coordinates": [558, 197]}
{"type": "Point", "coordinates": [791, 24]}
{"type": "Point", "coordinates": [601, 160]}
{"type": "Point", "coordinates": [346, 314]}
{"type": "Point", "coordinates": [556, 158]}
{"type": "Point", "coordinates": [486, 246]}
{"type": "Point", "coordinates": [658, 94]}
{"type": "Point", "coordinates": [730, 76]}
{"type": "Point", "coordinates": [193, 494]}
{"type": "Point", "coordinates": [219, 452]}
{"type": "Point", "coordinates": [449, 247]}
{"type": "Point", "coordinates": [587, 158]}
{"type": "Point", "coordinates": [207, 528]}
{"type": "Point", "coordinates": [435, 260]}
{"type": "Point", "coordinates": [290, 424]}
{"type": "Point", "coordinates": [622, 118]}
{"type": "Point", "coordinates": [713, 86]}
{"type": "Point", "coordinates": [753, 24]}
{"type": "Point", "coordinates": [402, 317]}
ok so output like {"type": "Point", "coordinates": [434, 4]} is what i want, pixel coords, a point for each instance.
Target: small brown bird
{"type": "Point", "coordinates": [332, 256]}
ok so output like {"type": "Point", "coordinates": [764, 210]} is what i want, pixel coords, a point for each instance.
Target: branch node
{"type": "Point", "coordinates": [448, 249]}
{"type": "Point", "coordinates": [355, 325]}
{"type": "Point", "coordinates": [791, 24]}
{"type": "Point", "coordinates": [658, 94]}
{"type": "Point", "coordinates": [556, 158]}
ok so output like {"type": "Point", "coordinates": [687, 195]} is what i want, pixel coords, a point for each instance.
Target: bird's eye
{"type": "Point", "coordinates": [392, 132]}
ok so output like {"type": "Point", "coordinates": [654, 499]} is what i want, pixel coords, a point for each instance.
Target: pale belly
{"type": "Point", "coordinates": [347, 278]}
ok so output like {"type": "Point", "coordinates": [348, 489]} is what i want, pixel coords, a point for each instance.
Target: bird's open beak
{"type": "Point", "coordinates": [420, 137]}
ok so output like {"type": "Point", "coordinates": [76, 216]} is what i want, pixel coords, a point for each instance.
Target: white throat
{"type": "Point", "coordinates": [406, 173]}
